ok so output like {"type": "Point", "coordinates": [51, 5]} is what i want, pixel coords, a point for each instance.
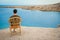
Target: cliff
{"type": "Point", "coordinates": [50, 7]}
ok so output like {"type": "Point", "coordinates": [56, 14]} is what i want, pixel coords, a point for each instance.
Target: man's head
{"type": "Point", "coordinates": [14, 11]}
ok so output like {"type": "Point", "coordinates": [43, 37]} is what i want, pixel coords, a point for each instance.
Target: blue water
{"type": "Point", "coordinates": [34, 18]}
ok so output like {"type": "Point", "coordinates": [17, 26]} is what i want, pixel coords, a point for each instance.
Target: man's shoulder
{"type": "Point", "coordinates": [14, 16]}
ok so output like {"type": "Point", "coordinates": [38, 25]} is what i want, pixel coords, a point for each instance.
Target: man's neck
{"type": "Point", "coordinates": [15, 14]}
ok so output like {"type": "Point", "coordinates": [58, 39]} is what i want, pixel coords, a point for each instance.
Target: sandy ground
{"type": "Point", "coordinates": [32, 33]}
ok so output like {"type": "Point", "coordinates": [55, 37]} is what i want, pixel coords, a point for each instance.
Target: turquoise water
{"type": "Point", "coordinates": [31, 18]}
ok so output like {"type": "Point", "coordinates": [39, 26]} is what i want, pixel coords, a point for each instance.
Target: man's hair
{"type": "Point", "coordinates": [15, 11]}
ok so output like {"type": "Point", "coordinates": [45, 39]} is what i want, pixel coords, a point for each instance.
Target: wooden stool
{"type": "Point", "coordinates": [15, 22]}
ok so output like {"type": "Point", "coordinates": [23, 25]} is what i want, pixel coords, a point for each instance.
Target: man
{"type": "Point", "coordinates": [15, 22]}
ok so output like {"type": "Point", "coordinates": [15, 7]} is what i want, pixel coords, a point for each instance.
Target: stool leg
{"type": "Point", "coordinates": [10, 29]}
{"type": "Point", "coordinates": [19, 29]}
{"type": "Point", "coordinates": [14, 30]}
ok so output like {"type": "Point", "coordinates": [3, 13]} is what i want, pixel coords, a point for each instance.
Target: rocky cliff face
{"type": "Point", "coordinates": [52, 7]}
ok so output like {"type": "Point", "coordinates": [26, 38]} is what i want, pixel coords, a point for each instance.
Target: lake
{"type": "Point", "coordinates": [35, 18]}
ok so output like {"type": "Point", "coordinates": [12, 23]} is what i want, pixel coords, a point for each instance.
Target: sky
{"type": "Point", "coordinates": [28, 2]}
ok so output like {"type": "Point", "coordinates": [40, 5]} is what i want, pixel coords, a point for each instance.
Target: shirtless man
{"type": "Point", "coordinates": [15, 21]}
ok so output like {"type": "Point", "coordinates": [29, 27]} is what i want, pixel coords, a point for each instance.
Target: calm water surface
{"type": "Point", "coordinates": [31, 18]}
